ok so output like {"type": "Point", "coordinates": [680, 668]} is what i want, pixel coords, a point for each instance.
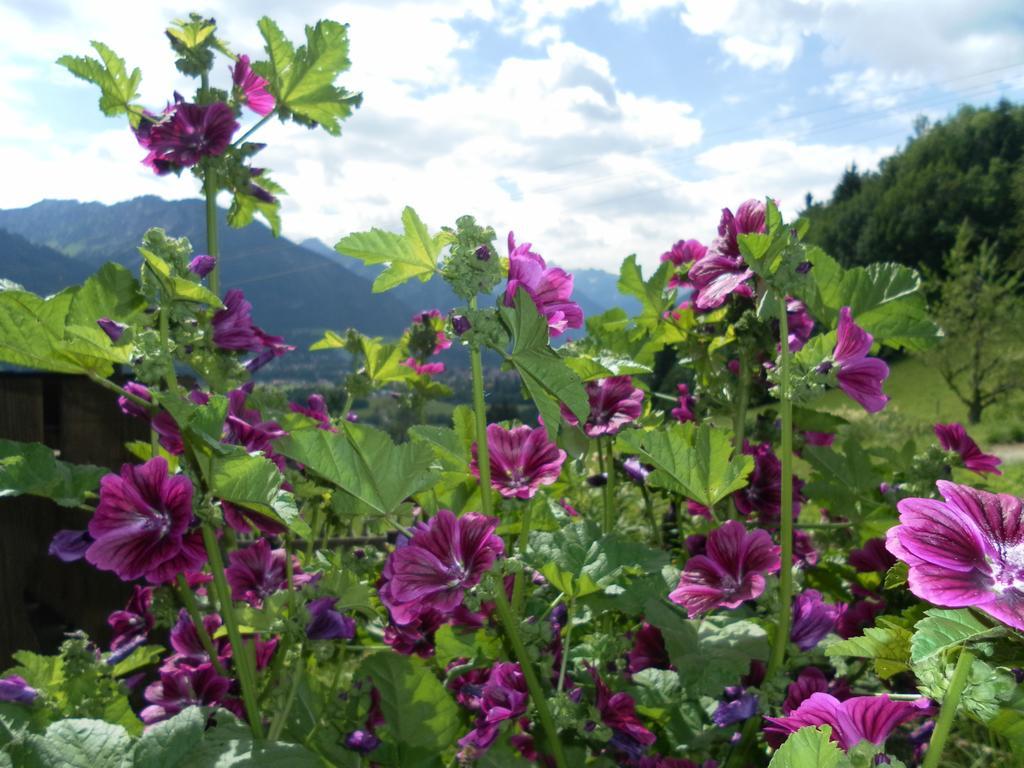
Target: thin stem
{"type": "Point", "coordinates": [567, 645]}
{"type": "Point", "coordinates": [518, 587]}
{"type": "Point", "coordinates": [314, 530]}
{"type": "Point", "coordinates": [742, 399]}
{"type": "Point", "coordinates": [480, 411]}
{"type": "Point", "coordinates": [189, 601]}
{"type": "Point", "coordinates": [170, 379]}
{"type": "Point", "coordinates": [786, 507]}
{"type": "Point", "coordinates": [277, 725]}
{"type": "Point", "coordinates": [540, 703]}
{"type": "Point", "coordinates": [244, 661]}
{"type": "Point", "coordinates": [651, 517]}
{"type": "Point", "coordinates": [608, 456]}
{"type": "Point", "coordinates": [212, 246]}
{"type": "Point", "coordinates": [121, 391]}
{"type": "Point", "coordinates": [950, 702]}
{"type": "Point", "coordinates": [263, 121]}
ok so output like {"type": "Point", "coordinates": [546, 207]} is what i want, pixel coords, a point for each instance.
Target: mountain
{"type": "Point", "coordinates": [36, 267]}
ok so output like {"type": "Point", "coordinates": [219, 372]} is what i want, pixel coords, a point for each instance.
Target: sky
{"type": "Point", "coordinates": [593, 128]}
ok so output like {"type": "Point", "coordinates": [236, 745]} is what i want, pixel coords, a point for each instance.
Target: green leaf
{"type": "Point", "coordinates": [302, 81]}
{"type": "Point", "coordinates": [230, 745]}
{"type": "Point", "coordinates": [118, 89]}
{"type": "Point", "coordinates": [31, 469]}
{"type": "Point", "coordinates": [809, 747]}
{"type": "Point", "coordinates": [602, 365]}
{"type": "Point", "coordinates": [247, 479]}
{"type": "Point", "coordinates": [168, 744]}
{"type": "Point", "coordinates": [245, 206]}
{"type": "Point", "coordinates": [141, 657]}
{"type": "Point", "coordinates": [179, 288]}
{"type": "Point", "coordinates": [711, 653]}
{"type": "Point", "coordinates": [944, 629]}
{"type": "Point", "coordinates": [691, 460]}
{"type": "Point", "coordinates": [419, 711]}
{"type": "Point", "coordinates": [410, 255]}
{"type": "Point", "coordinates": [889, 647]}
{"type": "Point", "coordinates": [364, 462]}
{"type": "Point", "coordinates": [80, 743]}
{"type": "Point", "coordinates": [651, 292]}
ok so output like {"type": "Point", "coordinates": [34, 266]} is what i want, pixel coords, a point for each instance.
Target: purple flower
{"type": "Point", "coordinates": [16, 689]}
{"type": "Point", "coordinates": [648, 651]}
{"type": "Point", "coordinates": [873, 556]}
{"type": "Point", "coordinates": [722, 271]}
{"type": "Point", "coordinates": [361, 741]}
{"type": "Point", "coordinates": [132, 625]}
{"type": "Point", "coordinates": [128, 406]}
{"type": "Point", "coordinates": [188, 648]}
{"type": "Point", "coordinates": [859, 376]}
{"type": "Point", "coordinates": [325, 623]}
{"type": "Point", "coordinates": [503, 697]}
{"type": "Point", "coordinates": [967, 550]}
{"type": "Point", "coordinates": [257, 572]}
{"type": "Point", "coordinates": [811, 680]}
{"type": "Point", "coordinates": [445, 557]}
{"type": "Point", "coordinates": [861, 718]}
{"type": "Point", "coordinates": [245, 426]}
{"type": "Point", "coordinates": [614, 402]}
{"type": "Point", "coordinates": [141, 522]}
{"type": "Point", "coordinates": [858, 616]}
{"type": "Point", "coordinates": [112, 328]}
{"type": "Point", "coordinates": [731, 572]}
{"type": "Point", "coordinates": [763, 493]}
{"type": "Point", "coordinates": [549, 287]}
{"type": "Point", "coordinates": [813, 618]}
{"type": "Point", "coordinates": [423, 369]}
{"type": "Point", "coordinates": [822, 439]}
{"type": "Point", "coordinates": [801, 324]}
{"type": "Point", "coordinates": [70, 545]}
{"type": "Point", "coordinates": [416, 636]}
{"type": "Point", "coordinates": [181, 687]}
{"type": "Point", "coordinates": [246, 520]}
{"type": "Point", "coordinates": [684, 411]}
{"type": "Point", "coordinates": [232, 325]}
{"type": "Point", "coordinates": [185, 135]}
{"type": "Point", "coordinates": [202, 265]}
{"type": "Point", "coordinates": [460, 324]}
{"type": "Point", "coordinates": [636, 471]}
{"type": "Point", "coordinates": [316, 409]}
{"type": "Point", "coordinates": [522, 459]}
{"type": "Point", "coordinates": [741, 708]}
{"type": "Point", "coordinates": [683, 252]}
{"type": "Point", "coordinates": [253, 87]}
{"type": "Point", "coordinates": [618, 712]}
{"type": "Point", "coordinates": [953, 437]}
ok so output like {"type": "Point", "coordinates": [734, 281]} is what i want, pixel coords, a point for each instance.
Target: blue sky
{"type": "Point", "coordinates": [593, 128]}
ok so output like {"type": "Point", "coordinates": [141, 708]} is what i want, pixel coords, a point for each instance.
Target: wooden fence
{"type": "Point", "coordinates": [41, 597]}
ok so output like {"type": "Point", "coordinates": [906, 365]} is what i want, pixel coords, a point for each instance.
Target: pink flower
{"type": "Point", "coordinates": [813, 619]}
{"type": "Point", "coordinates": [504, 697]}
{"type": "Point", "coordinates": [684, 411]}
{"type": "Point", "coordinates": [185, 134]}
{"type": "Point", "coordinates": [549, 287]}
{"type": "Point", "coordinates": [133, 625]}
{"type": "Point", "coordinates": [257, 572]}
{"type": "Point", "coordinates": [801, 324]}
{"type": "Point", "coordinates": [423, 369]}
{"type": "Point", "coordinates": [861, 718]}
{"type": "Point", "coordinates": [614, 402]}
{"type": "Point", "coordinates": [722, 271]}
{"type": "Point", "coordinates": [446, 556]}
{"type": "Point", "coordinates": [141, 524]}
{"type": "Point", "coordinates": [953, 437]}
{"type": "Point", "coordinates": [967, 550]}
{"type": "Point", "coordinates": [731, 572]}
{"type": "Point", "coordinates": [522, 459]}
{"type": "Point", "coordinates": [183, 687]}
{"type": "Point", "coordinates": [618, 712]}
{"type": "Point", "coordinates": [253, 87]}
{"type": "Point", "coordinates": [683, 252]}
{"type": "Point", "coordinates": [316, 409]}
{"type": "Point", "coordinates": [859, 376]}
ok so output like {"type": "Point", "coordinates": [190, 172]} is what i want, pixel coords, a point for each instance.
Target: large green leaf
{"type": "Point", "coordinates": [809, 747]}
{"type": "Point", "coordinates": [711, 653]}
{"type": "Point", "coordinates": [302, 80]}
{"type": "Point", "coordinates": [888, 647]}
{"type": "Point", "coordinates": [651, 292]}
{"type": "Point", "coordinates": [364, 462]}
{"type": "Point", "coordinates": [31, 469]}
{"type": "Point", "coordinates": [230, 745]}
{"type": "Point", "coordinates": [418, 710]}
{"type": "Point", "coordinates": [943, 629]}
{"type": "Point", "coordinates": [602, 365]}
{"type": "Point", "coordinates": [168, 744]}
{"type": "Point", "coordinates": [178, 288]}
{"type": "Point", "coordinates": [118, 89]}
{"type": "Point", "coordinates": [412, 254]}
{"type": "Point", "coordinates": [695, 461]}
{"type": "Point", "coordinates": [32, 335]}
{"type": "Point", "coordinates": [81, 743]}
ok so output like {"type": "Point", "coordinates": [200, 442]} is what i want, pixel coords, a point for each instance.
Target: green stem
{"type": "Point", "coordinates": [786, 508]}
{"type": "Point", "coordinates": [189, 601]}
{"type": "Point", "coordinates": [314, 530]}
{"type": "Point", "coordinates": [540, 703]}
{"type": "Point", "coordinates": [651, 518]}
{"type": "Point", "coordinates": [170, 379]}
{"type": "Point", "coordinates": [608, 457]}
{"type": "Point", "coordinates": [567, 645]}
{"type": "Point", "coordinates": [742, 399]}
{"type": "Point", "coordinates": [480, 408]}
{"type": "Point", "coordinates": [244, 662]}
{"type": "Point", "coordinates": [121, 391]}
{"type": "Point", "coordinates": [263, 121]}
{"type": "Point", "coordinates": [277, 725]}
{"type": "Point", "coordinates": [519, 586]}
{"type": "Point", "coordinates": [950, 702]}
{"type": "Point", "coordinates": [212, 247]}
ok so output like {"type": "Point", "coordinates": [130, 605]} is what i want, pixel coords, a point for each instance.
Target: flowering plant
{"type": "Point", "coordinates": [641, 575]}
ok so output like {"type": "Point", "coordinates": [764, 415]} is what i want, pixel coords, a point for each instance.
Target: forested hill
{"type": "Point", "coordinates": [970, 166]}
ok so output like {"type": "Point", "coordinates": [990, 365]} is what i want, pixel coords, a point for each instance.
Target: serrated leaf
{"type": "Point", "coordinates": [302, 81]}
{"type": "Point", "coordinates": [364, 462]}
{"type": "Point", "coordinates": [944, 629]}
{"type": "Point", "coordinates": [179, 288]}
{"type": "Point", "coordinates": [418, 710]}
{"type": "Point", "coordinates": [249, 480]}
{"type": "Point", "coordinates": [118, 89]}
{"type": "Point", "coordinates": [888, 647]}
{"type": "Point", "coordinates": [809, 747]}
{"type": "Point", "coordinates": [695, 461]}
{"type": "Point", "coordinates": [167, 744]}
{"type": "Point", "coordinates": [141, 657]}
{"type": "Point", "coordinates": [599, 366]}
{"type": "Point", "coordinates": [410, 255]}
{"type": "Point", "coordinates": [31, 469]}
{"type": "Point", "coordinates": [81, 743]}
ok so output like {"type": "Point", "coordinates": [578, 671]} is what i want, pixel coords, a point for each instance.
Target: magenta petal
{"type": "Point", "coordinates": [862, 381]}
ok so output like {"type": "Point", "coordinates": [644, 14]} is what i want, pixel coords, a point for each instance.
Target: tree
{"type": "Point", "coordinates": [977, 304]}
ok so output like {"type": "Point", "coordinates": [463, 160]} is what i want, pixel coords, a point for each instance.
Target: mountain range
{"type": "Point", "coordinates": [298, 290]}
